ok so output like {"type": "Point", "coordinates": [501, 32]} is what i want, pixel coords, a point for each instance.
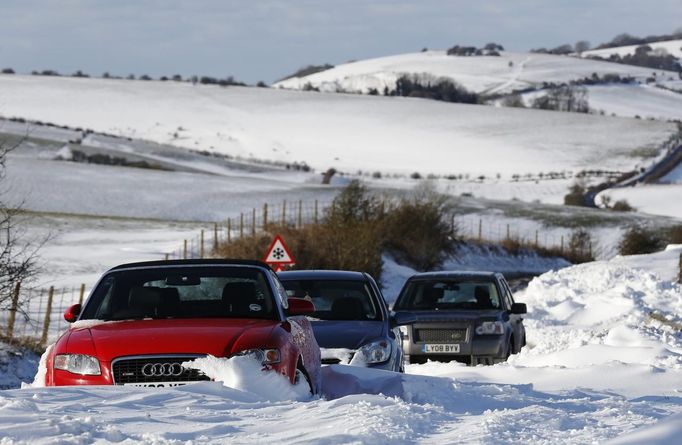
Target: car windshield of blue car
{"type": "Point", "coordinates": [336, 299]}
{"type": "Point", "coordinates": [182, 292]}
{"type": "Point", "coordinates": [448, 294]}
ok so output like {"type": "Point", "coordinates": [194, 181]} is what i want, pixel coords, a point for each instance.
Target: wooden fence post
{"type": "Point", "coordinates": [265, 214]}
{"type": "Point", "coordinates": [13, 310]}
{"type": "Point", "coordinates": [300, 214]}
{"type": "Point", "coordinates": [562, 244]}
{"type": "Point", "coordinates": [166, 256]}
{"type": "Point", "coordinates": [215, 236]}
{"type": "Point", "coordinates": [480, 230]}
{"type": "Point", "coordinates": [184, 250]}
{"type": "Point", "coordinates": [241, 225]}
{"type": "Point", "coordinates": [201, 245]}
{"type": "Point", "coordinates": [536, 239]}
{"type": "Point", "coordinates": [284, 212]}
{"type": "Point", "coordinates": [508, 237]}
{"type": "Point", "coordinates": [48, 313]}
{"type": "Point", "coordinates": [229, 230]}
{"type": "Point", "coordinates": [82, 295]}
{"type": "Point", "coordinates": [253, 223]}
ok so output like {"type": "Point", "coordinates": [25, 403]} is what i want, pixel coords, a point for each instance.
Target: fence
{"type": "Point", "coordinates": [36, 315]}
{"type": "Point", "coordinates": [300, 213]}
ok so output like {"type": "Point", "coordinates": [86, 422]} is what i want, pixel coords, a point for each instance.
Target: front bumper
{"type": "Point", "coordinates": [473, 349]}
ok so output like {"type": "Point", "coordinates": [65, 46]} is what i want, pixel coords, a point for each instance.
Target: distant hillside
{"type": "Point", "coordinates": [484, 75]}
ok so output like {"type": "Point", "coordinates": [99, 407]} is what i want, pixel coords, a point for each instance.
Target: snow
{"type": "Point", "coordinates": [655, 199]}
{"type": "Point", "coordinates": [288, 126]}
{"type": "Point", "coordinates": [483, 74]}
{"type": "Point", "coordinates": [645, 101]}
{"type": "Point", "coordinates": [597, 367]}
{"type": "Point", "coordinates": [672, 47]}
{"type": "Point", "coordinates": [245, 374]}
{"type": "Point", "coordinates": [17, 365]}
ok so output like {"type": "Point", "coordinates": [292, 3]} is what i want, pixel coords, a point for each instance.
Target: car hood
{"type": "Point", "coordinates": [453, 315]}
{"type": "Point", "coordinates": [218, 337]}
{"type": "Point", "coordinates": [347, 334]}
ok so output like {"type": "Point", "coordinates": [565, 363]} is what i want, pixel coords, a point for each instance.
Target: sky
{"type": "Point", "coordinates": [266, 40]}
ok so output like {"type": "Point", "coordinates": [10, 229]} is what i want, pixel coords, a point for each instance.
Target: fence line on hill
{"type": "Point", "coordinates": [300, 213]}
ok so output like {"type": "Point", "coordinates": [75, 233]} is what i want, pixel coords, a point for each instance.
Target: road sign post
{"type": "Point", "coordinates": [278, 254]}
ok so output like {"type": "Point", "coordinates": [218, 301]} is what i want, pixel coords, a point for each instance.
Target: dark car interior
{"type": "Point", "coordinates": [446, 294]}
{"type": "Point", "coordinates": [189, 295]}
{"type": "Point", "coordinates": [336, 299]}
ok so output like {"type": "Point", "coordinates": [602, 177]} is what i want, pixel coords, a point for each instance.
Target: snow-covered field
{"type": "Point", "coordinates": [482, 74]}
{"type": "Point", "coordinates": [597, 367]}
{"type": "Point", "coordinates": [672, 47]}
{"type": "Point", "coordinates": [348, 132]}
{"type": "Point", "coordinates": [655, 199]}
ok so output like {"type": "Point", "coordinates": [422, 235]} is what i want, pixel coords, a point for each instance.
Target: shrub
{"type": "Point", "coordinates": [638, 240]}
{"type": "Point", "coordinates": [622, 206]}
{"type": "Point", "coordinates": [575, 196]}
{"type": "Point", "coordinates": [357, 229]}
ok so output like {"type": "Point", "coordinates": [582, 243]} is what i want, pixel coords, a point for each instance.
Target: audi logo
{"type": "Point", "coordinates": [162, 370]}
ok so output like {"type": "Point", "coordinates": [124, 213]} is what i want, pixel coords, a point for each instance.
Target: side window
{"type": "Point", "coordinates": [509, 300]}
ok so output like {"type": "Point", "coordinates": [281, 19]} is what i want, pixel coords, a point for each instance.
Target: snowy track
{"type": "Point", "coordinates": [597, 367]}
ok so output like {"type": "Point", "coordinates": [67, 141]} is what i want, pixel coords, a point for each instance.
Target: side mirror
{"type": "Point", "coordinates": [519, 308]}
{"type": "Point", "coordinates": [72, 313]}
{"type": "Point", "coordinates": [300, 306]}
{"type": "Point", "coordinates": [402, 319]}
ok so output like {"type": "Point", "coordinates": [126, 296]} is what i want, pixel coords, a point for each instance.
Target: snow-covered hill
{"type": "Point", "coordinates": [347, 132]}
{"type": "Point", "coordinates": [482, 74]}
{"type": "Point", "coordinates": [672, 47]}
{"type": "Point", "coordinates": [597, 366]}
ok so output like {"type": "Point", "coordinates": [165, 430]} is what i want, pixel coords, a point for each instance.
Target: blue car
{"type": "Point", "coordinates": [352, 323]}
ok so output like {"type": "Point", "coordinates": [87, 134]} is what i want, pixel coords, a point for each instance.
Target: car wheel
{"type": "Point", "coordinates": [300, 374]}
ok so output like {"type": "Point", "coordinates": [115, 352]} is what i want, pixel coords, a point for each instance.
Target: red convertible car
{"type": "Point", "coordinates": [143, 320]}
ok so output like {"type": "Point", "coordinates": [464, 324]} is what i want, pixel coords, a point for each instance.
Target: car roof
{"type": "Point", "coordinates": [191, 263]}
{"type": "Point", "coordinates": [458, 274]}
{"type": "Point", "coordinates": [345, 275]}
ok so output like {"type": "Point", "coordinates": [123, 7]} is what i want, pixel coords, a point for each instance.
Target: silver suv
{"type": "Point", "coordinates": [469, 317]}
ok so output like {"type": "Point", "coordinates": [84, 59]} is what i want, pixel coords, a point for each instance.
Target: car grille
{"type": "Point", "coordinates": [440, 335]}
{"type": "Point", "coordinates": [129, 370]}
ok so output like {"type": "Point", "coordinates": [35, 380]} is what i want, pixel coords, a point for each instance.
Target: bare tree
{"type": "Point", "coordinates": [18, 259]}
{"type": "Point", "coordinates": [581, 46]}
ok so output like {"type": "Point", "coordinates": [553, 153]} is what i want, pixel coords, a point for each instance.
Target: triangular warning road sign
{"type": "Point", "coordinates": [278, 253]}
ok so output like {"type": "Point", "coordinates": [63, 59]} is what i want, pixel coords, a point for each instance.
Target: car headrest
{"type": "Point", "coordinates": [482, 295]}
{"type": "Point", "coordinates": [434, 294]}
{"type": "Point", "coordinates": [240, 291]}
{"type": "Point", "coordinates": [347, 308]}
{"type": "Point", "coordinates": [144, 297]}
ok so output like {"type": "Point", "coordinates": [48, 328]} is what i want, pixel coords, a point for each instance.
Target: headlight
{"type": "Point", "coordinates": [263, 356]}
{"type": "Point", "coordinates": [374, 352]}
{"type": "Point", "coordinates": [490, 328]}
{"type": "Point", "coordinates": [78, 364]}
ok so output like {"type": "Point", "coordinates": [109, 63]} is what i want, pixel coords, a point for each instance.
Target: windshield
{"type": "Point", "coordinates": [336, 299]}
{"type": "Point", "coordinates": [182, 292]}
{"type": "Point", "coordinates": [448, 294]}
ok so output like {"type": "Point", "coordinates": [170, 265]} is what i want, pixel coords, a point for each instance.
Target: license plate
{"type": "Point", "coordinates": [158, 384]}
{"type": "Point", "coordinates": [441, 349]}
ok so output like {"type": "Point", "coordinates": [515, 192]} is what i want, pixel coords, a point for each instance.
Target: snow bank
{"type": "Point", "coordinates": [17, 365]}
{"type": "Point", "coordinates": [246, 374]}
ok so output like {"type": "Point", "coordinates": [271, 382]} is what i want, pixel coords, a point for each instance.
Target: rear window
{"type": "Point", "coordinates": [448, 294]}
{"type": "Point", "coordinates": [336, 299]}
{"type": "Point", "coordinates": [182, 292]}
